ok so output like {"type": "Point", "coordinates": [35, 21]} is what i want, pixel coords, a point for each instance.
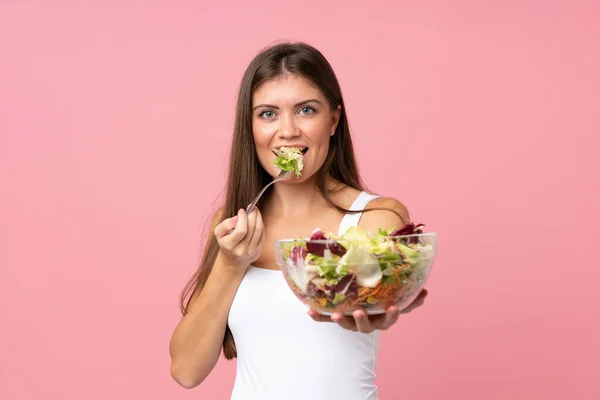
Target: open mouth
{"type": "Point", "coordinates": [303, 150]}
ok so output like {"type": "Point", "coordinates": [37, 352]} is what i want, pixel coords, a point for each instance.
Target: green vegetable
{"type": "Point", "coordinates": [290, 159]}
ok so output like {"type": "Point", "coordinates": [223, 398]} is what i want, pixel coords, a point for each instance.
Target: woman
{"type": "Point", "coordinates": [239, 301]}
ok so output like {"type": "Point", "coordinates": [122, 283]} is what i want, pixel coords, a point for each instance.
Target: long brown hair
{"type": "Point", "coordinates": [246, 176]}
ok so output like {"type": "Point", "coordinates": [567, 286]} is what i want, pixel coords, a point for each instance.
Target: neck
{"type": "Point", "coordinates": [296, 199]}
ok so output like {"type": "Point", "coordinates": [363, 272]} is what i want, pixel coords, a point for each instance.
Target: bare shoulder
{"type": "Point", "coordinates": [385, 212]}
{"type": "Point", "coordinates": [344, 196]}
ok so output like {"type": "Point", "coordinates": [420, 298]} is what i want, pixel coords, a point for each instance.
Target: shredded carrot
{"type": "Point", "coordinates": [384, 294]}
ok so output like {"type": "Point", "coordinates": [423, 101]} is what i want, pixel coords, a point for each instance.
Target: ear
{"type": "Point", "coordinates": [336, 119]}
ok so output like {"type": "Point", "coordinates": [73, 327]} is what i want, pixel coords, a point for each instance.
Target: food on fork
{"type": "Point", "coordinates": [290, 159]}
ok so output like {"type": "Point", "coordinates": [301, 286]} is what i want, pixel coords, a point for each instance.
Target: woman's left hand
{"type": "Point", "coordinates": [361, 322]}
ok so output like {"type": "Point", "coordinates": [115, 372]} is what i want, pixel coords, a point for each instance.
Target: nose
{"type": "Point", "coordinates": [287, 127]}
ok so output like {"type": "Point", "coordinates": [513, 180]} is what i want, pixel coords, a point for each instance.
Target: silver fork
{"type": "Point", "coordinates": [282, 175]}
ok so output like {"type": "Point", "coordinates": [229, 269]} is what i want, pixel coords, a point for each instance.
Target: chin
{"type": "Point", "coordinates": [292, 180]}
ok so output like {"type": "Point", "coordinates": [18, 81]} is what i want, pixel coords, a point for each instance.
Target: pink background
{"type": "Point", "coordinates": [115, 120]}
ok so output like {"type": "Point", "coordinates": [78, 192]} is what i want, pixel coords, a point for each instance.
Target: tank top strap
{"type": "Point", "coordinates": [359, 204]}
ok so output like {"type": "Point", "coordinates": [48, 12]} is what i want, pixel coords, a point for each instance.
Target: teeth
{"type": "Point", "coordinates": [304, 149]}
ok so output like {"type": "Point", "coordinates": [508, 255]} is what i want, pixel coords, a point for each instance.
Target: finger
{"type": "Point", "coordinates": [258, 230]}
{"type": "Point", "coordinates": [390, 318]}
{"type": "Point", "coordinates": [416, 303]}
{"type": "Point", "coordinates": [363, 324]}
{"type": "Point", "coordinates": [250, 229]}
{"type": "Point", "coordinates": [225, 226]}
{"type": "Point", "coordinates": [345, 322]}
{"type": "Point", "coordinates": [240, 230]}
{"type": "Point", "coordinates": [318, 317]}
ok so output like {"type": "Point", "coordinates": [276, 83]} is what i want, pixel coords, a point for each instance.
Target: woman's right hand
{"type": "Point", "coordinates": [244, 245]}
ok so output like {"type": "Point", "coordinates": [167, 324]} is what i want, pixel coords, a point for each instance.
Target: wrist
{"type": "Point", "coordinates": [229, 267]}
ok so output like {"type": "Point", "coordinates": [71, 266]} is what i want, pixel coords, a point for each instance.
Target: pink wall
{"type": "Point", "coordinates": [115, 120]}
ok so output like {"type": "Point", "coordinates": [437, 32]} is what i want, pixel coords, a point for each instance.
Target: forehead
{"type": "Point", "coordinates": [287, 89]}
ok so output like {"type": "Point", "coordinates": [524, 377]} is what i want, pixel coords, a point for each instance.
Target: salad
{"type": "Point", "coordinates": [290, 159]}
{"type": "Point", "coordinates": [357, 270]}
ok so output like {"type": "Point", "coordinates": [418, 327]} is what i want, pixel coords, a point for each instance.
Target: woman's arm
{"type": "Point", "coordinates": [198, 338]}
{"type": "Point", "coordinates": [196, 342]}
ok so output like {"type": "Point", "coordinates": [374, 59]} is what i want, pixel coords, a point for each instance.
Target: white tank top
{"type": "Point", "coordinates": [283, 354]}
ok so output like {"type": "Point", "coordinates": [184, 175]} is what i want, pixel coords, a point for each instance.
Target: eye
{"type": "Point", "coordinates": [307, 110]}
{"type": "Point", "coordinates": [267, 114]}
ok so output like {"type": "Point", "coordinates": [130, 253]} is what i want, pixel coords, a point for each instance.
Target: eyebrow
{"type": "Point", "coordinates": [295, 105]}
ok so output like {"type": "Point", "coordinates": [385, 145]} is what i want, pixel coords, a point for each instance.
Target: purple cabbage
{"type": "Point", "coordinates": [346, 286]}
{"type": "Point", "coordinates": [318, 249]}
{"type": "Point", "coordinates": [318, 235]}
{"type": "Point", "coordinates": [298, 254]}
{"type": "Point", "coordinates": [409, 229]}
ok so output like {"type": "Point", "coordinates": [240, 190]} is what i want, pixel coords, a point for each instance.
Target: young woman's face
{"type": "Point", "coordinates": [290, 111]}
